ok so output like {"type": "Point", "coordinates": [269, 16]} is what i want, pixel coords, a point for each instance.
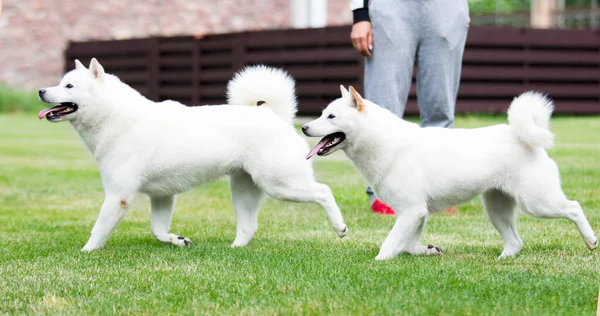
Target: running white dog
{"type": "Point", "coordinates": [162, 149]}
{"type": "Point", "coordinates": [419, 171]}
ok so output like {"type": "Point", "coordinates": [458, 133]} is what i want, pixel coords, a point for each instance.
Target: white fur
{"type": "Point", "coordinates": [162, 149]}
{"type": "Point", "coordinates": [419, 171]}
{"type": "Point", "coordinates": [529, 115]}
{"type": "Point", "coordinates": [261, 83]}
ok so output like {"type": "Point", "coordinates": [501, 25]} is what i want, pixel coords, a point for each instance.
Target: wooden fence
{"type": "Point", "coordinates": [498, 64]}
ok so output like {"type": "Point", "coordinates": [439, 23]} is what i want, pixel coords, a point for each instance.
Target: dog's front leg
{"type": "Point", "coordinates": [406, 233]}
{"type": "Point", "coordinates": [162, 215]}
{"type": "Point", "coordinates": [112, 212]}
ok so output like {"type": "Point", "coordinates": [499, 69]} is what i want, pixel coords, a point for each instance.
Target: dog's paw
{"type": "Point", "coordinates": [506, 254]}
{"type": "Point", "coordinates": [237, 244]}
{"type": "Point", "coordinates": [342, 232]}
{"type": "Point", "coordinates": [381, 257]}
{"type": "Point", "coordinates": [429, 250]}
{"type": "Point", "coordinates": [87, 248]}
{"type": "Point", "coordinates": [592, 244]}
{"type": "Point", "coordinates": [181, 241]}
{"type": "Point", "coordinates": [433, 250]}
{"type": "Point", "coordinates": [386, 255]}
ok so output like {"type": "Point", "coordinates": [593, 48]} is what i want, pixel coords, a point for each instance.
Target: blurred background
{"type": "Point", "coordinates": [186, 50]}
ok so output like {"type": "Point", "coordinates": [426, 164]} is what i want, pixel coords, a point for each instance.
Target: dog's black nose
{"type": "Point", "coordinates": [305, 130]}
{"type": "Point", "coordinates": [41, 92]}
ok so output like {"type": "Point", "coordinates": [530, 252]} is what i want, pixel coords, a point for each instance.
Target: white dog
{"type": "Point", "coordinates": [419, 171]}
{"type": "Point", "coordinates": [162, 149]}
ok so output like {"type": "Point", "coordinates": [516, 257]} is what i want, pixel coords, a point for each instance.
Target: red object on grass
{"type": "Point", "coordinates": [382, 208]}
{"type": "Point", "coordinates": [451, 211]}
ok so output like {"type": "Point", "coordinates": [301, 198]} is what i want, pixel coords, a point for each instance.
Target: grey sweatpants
{"type": "Point", "coordinates": [432, 32]}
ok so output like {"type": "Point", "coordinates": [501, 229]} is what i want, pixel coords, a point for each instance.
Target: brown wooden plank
{"type": "Point", "coordinates": [324, 71]}
{"type": "Point", "coordinates": [216, 60]}
{"type": "Point", "coordinates": [215, 90]}
{"type": "Point", "coordinates": [211, 43]}
{"type": "Point", "coordinates": [185, 44]}
{"type": "Point", "coordinates": [489, 36]}
{"type": "Point", "coordinates": [335, 36]}
{"type": "Point", "coordinates": [133, 76]}
{"type": "Point", "coordinates": [176, 61]}
{"type": "Point", "coordinates": [311, 106]}
{"type": "Point", "coordinates": [564, 74]}
{"type": "Point", "coordinates": [283, 38]}
{"type": "Point", "coordinates": [175, 91]}
{"type": "Point", "coordinates": [512, 37]}
{"type": "Point", "coordinates": [493, 90]}
{"type": "Point", "coordinates": [115, 64]}
{"type": "Point", "coordinates": [562, 38]}
{"type": "Point", "coordinates": [215, 75]}
{"type": "Point", "coordinates": [100, 48]}
{"type": "Point", "coordinates": [497, 56]}
{"type": "Point", "coordinates": [325, 90]}
{"type": "Point", "coordinates": [470, 89]}
{"type": "Point", "coordinates": [565, 90]}
{"type": "Point", "coordinates": [576, 107]}
{"type": "Point", "coordinates": [304, 56]}
{"type": "Point", "coordinates": [485, 106]}
{"type": "Point", "coordinates": [176, 76]}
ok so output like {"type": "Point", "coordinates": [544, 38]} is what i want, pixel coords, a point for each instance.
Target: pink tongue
{"type": "Point", "coordinates": [45, 112]}
{"type": "Point", "coordinates": [316, 149]}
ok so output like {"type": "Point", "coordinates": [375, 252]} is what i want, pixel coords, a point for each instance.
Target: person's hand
{"type": "Point", "coordinates": [362, 38]}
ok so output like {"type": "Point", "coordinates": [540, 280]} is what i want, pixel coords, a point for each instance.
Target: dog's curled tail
{"type": "Point", "coordinates": [529, 115]}
{"type": "Point", "coordinates": [264, 86]}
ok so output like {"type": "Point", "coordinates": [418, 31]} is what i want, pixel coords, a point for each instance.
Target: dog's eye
{"type": "Point", "coordinates": [69, 86]}
{"type": "Point", "coordinates": [331, 116]}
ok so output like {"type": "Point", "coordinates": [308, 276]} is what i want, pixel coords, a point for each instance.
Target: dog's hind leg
{"type": "Point", "coordinates": [112, 212]}
{"type": "Point", "coordinates": [246, 197]}
{"type": "Point", "coordinates": [573, 211]}
{"type": "Point", "coordinates": [406, 233]}
{"type": "Point", "coordinates": [310, 191]}
{"type": "Point", "coordinates": [501, 209]}
{"type": "Point", "coordinates": [554, 208]}
{"type": "Point", "coordinates": [543, 197]}
{"type": "Point", "coordinates": [162, 215]}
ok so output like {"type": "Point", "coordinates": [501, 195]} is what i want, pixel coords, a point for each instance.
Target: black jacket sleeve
{"type": "Point", "coordinates": [360, 10]}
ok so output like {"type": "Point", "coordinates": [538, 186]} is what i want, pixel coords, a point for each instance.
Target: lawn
{"type": "Point", "coordinates": [50, 194]}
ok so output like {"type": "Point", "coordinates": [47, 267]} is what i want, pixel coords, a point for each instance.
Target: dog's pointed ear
{"type": "Point", "coordinates": [344, 92]}
{"type": "Point", "coordinates": [97, 69]}
{"type": "Point", "coordinates": [357, 100]}
{"type": "Point", "coordinates": [79, 65]}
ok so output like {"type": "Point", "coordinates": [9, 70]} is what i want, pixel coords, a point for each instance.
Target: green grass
{"type": "Point", "coordinates": [14, 100]}
{"type": "Point", "coordinates": [50, 194]}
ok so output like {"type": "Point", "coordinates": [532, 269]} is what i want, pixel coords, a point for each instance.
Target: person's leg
{"type": "Point", "coordinates": [388, 72]}
{"type": "Point", "coordinates": [439, 58]}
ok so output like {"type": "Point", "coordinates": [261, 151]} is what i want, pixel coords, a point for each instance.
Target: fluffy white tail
{"type": "Point", "coordinates": [264, 86]}
{"type": "Point", "coordinates": [529, 115]}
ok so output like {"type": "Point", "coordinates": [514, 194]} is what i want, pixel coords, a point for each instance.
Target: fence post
{"type": "Point", "coordinates": [239, 51]}
{"type": "Point", "coordinates": [153, 69]}
{"type": "Point", "coordinates": [196, 62]}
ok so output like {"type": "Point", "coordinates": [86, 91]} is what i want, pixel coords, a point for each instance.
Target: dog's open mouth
{"type": "Point", "coordinates": [58, 112]}
{"type": "Point", "coordinates": [326, 144]}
